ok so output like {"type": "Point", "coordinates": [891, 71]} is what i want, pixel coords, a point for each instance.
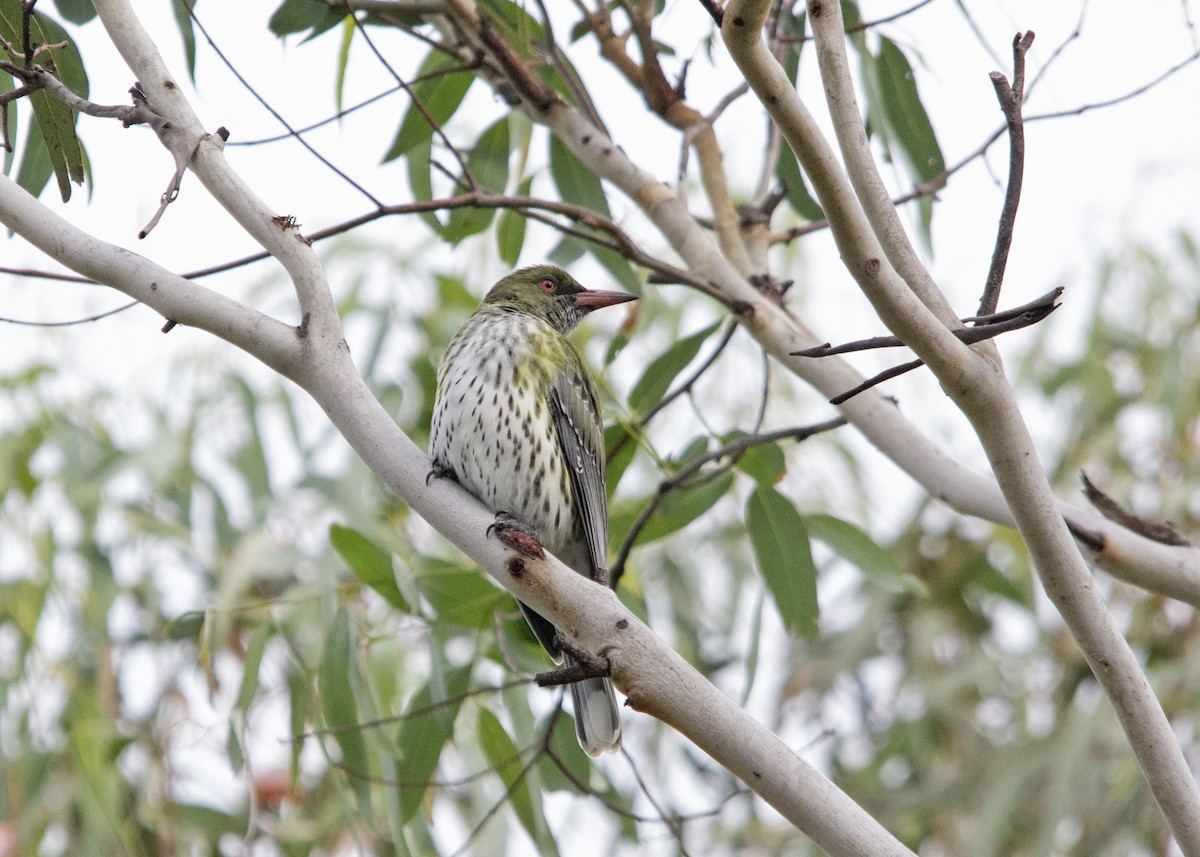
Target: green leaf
{"type": "Point", "coordinates": [488, 162]}
{"type": "Point", "coordinates": [618, 266]}
{"type": "Point", "coordinates": [510, 229]}
{"type": "Point", "coordinates": [76, 11]}
{"type": "Point", "coordinates": [787, 170]}
{"type": "Point", "coordinates": [187, 32]}
{"type": "Point", "coordinates": [423, 736]}
{"type": "Point", "coordinates": [619, 446]}
{"type": "Point", "coordinates": [784, 558]}
{"type": "Point", "coordinates": [296, 16]}
{"type": "Point", "coordinates": [506, 761]}
{"type": "Point", "coordinates": [575, 182]}
{"type": "Point", "coordinates": [908, 125]}
{"type": "Point", "coordinates": [341, 709]}
{"type": "Point", "coordinates": [657, 378]}
{"type": "Point", "coordinates": [250, 665]}
{"type": "Point", "coordinates": [458, 595]}
{"type": "Point", "coordinates": [906, 116]}
{"type": "Point", "coordinates": [440, 94]}
{"type": "Point", "coordinates": [420, 182]}
{"type": "Point", "coordinates": [680, 507]}
{"type": "Point", "coordinates": [299, 705]}
{"type": "Point", "coordinates": [58, 143]}
{"type": "Point", "coordinates": [860, 550]}
{"type": "Point", "coordinates": [765, 463]}
{"type": "Point", "coordinates": [566, 748]}
{"type": "Point", "coordinates": [371, 563]}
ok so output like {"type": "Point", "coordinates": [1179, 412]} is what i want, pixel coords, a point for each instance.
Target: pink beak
{"type": "Point", "coordinates": [591, 299]}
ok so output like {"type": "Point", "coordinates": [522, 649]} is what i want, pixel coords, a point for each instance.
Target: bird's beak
{"type": "Point", "coordinates": [591, 299]}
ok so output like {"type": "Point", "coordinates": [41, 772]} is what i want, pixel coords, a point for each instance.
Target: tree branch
{"type": "Point", "coordinates": [1011, 100]}
{"type": "Point", "coordinates": [980, 390]}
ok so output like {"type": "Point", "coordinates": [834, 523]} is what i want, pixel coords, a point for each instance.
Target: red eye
{"type": "Point", "coordinates": [548, 285]}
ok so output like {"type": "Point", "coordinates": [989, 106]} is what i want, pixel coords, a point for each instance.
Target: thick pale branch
{"type": "Point", "coordinates": [861, 168]}
{"type": "Point", "coordinates": [277, 235]}
{"type": "Point", "coordinates": [987, 401]}
{"type": "Point", "coordinates": [656, 679]}
{"type": "Point", "coordinates": [1173, 571]}
{"type": "Point", "coordinates": [271, 341]}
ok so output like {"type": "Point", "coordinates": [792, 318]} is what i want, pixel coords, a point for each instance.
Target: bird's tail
{"type": "Point", "coordinates": [597, 717]}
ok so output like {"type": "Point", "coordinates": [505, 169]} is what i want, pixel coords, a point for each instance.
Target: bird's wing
{"type": "Point", "coordinates": [581, 438]}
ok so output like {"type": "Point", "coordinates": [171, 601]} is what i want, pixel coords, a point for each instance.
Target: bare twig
{"type": "Point", "coordinates": [236, 72]}
{"type": "Point", "coordinates": [1160, 531]}
{"type": "Point", "coordinates": [468, 179]}
{"type": "Point", "coordinates": [986, 326]}
{"type": "Point", "coordinates": [861, 26]}
{"type": "Point", "coordinates": [732, 451]}
{"type": "Point", "coordinates": [72, 322]}
{"type": "Point", "coordinates": [1011, 100]}
{"type": "Point", "coordinates": [178, 141]}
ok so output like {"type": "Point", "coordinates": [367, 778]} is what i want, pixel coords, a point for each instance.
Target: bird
{"type": "Point", "coordinates": [516, 421]}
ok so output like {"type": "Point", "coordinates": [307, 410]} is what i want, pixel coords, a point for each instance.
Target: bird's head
{"type": "Point", "coordinates": [551, 294]}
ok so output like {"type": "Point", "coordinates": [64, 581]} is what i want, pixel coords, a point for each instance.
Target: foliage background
{"type": "Point", "coordinates": [179, 606]}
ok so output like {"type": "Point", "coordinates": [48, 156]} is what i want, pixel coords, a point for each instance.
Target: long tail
{"type": "Point", "coordinates": [597, 717]}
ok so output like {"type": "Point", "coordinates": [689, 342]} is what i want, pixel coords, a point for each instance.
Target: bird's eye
{"type": "Point", "coordinates": [548, 285]}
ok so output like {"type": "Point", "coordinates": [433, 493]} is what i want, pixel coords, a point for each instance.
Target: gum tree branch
{"type": "Point", "coordinates": [315, 355]}
{"type": "Point", "coordinates": [1012, 99]}
{"type": "Point", "coordinates": [976, 384]}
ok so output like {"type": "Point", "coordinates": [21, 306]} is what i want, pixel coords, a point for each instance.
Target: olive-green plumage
{"type": "Point", "coordinates": [517, 423]}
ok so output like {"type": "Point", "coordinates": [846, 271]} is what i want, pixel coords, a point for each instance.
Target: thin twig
{"type": "Point", "coordinates": [986, 326]}
{"type": "Point", "coordinates": [233, 69]}
{"type": "Point", "coordinates": [992, 326]}
{"type": "Point", "coordinates": [861, 26]}
{"type": "Point", "coordinates": [1011, 100]}
{"type": "Point", "coordinates": [1163, 532]}
{"type": "Point", "coordinates": [343, 113]}
{"type": "Point", "coordinates": [732, 451]}
{"type": "Point", "coordinates": [468, 178]}
{"type": "Point", "coordinates": [72, 322]}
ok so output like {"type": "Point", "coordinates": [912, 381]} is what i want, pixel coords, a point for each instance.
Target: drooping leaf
{"type": "Point", "coordinates": [422, 737]}
{"type": "Point", "coordinates": [187, 32]}
{"type": "Point", "coordinates": [507, 762]}
{"type": "Point", "coordinates": [620, 447]}
{"type": "Point", "coordinates": [784, 558]}
{"type": "Point", "coordinates": [420, 181]}
{"type": "Point", "coordinates": [296, 16]}
{"type": "Point", "coordinates": [76, 11]}
{"type": "Point", "coordinates": [575, 182]}
{"type": "Point", "coordinates": [371, 563]}
{"type": "Point", "coordinates": [787, 170]}
{"type": "Point", "coordinates": [657, 378]}
{"type": "Point", "coordinates": [681, 507]}
{"type": "Point", "coordinates": [440, 94]}
{"type": "Point", "coordinates": [909, 130]}
{"type": "Point", "coordinates": [765, 463]}
{"type": "Point", "coordinates": [510, 229]}
{"type": "Point", "coordinates": [906, 114]}
{"type": "Point", "coordinates": [58, 145]}
{"type": "Point", "coordinates": [254, 655]}
{"type": "Point", "coordinates": [459, 595]}
{"type": "Point", "coordinates": [859, 549]}
{"type": "Point", "coordinates": [488, 162]}
{"type": "Point", "coordinates": [341, 709]}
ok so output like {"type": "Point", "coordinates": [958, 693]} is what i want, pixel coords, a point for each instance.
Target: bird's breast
{"type": "Point", "coordinates": [492, 424]}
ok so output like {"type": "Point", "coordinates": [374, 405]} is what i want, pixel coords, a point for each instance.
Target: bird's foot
{"type": "Point", "coordinates": [582, 664]}
{"type": "Point", "coordinates": [440, 471]}
{"type": "Point", "coordinates": [517, 535]}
